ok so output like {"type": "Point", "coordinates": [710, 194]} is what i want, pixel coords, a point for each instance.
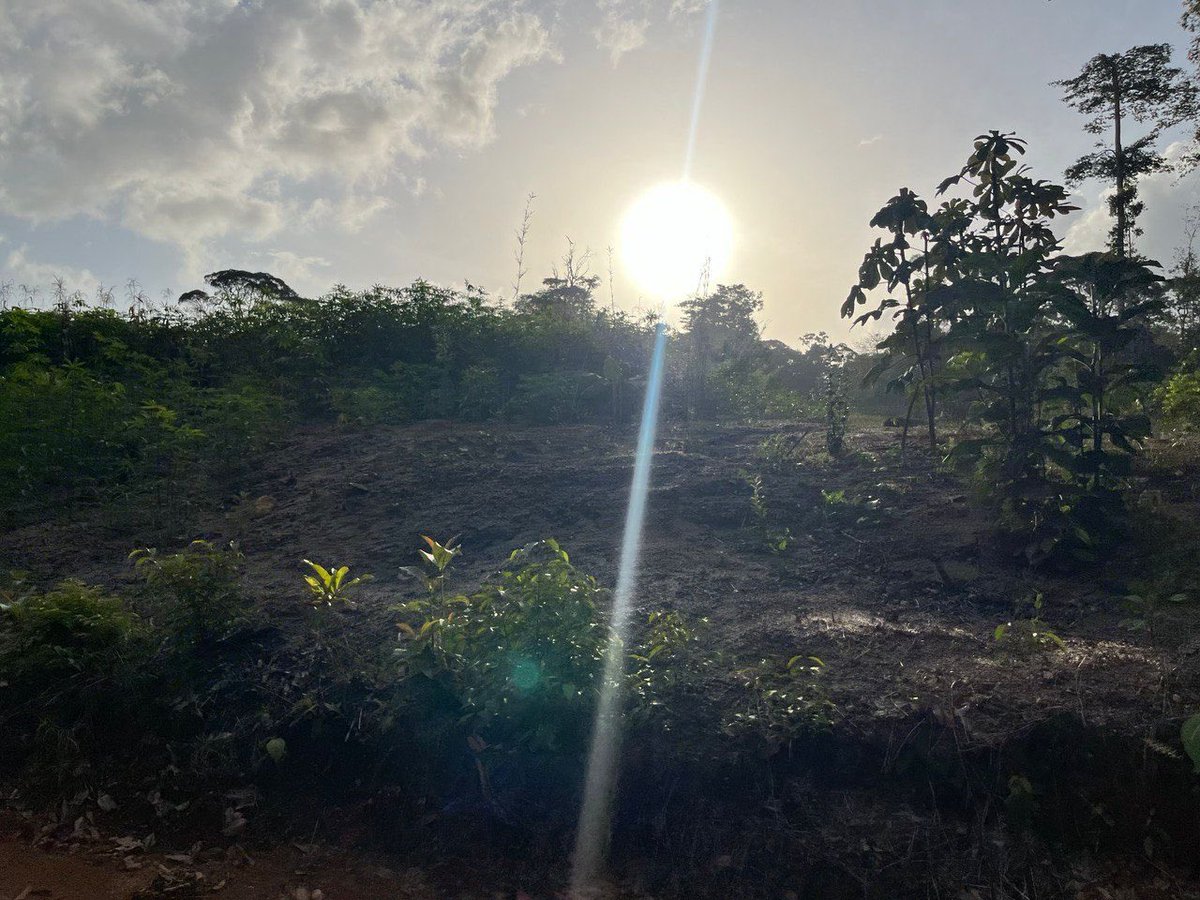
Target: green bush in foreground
{"type": "Point", "coordinates": [486, 688]}
{"type": "Point", "coordinates": [71, 662]}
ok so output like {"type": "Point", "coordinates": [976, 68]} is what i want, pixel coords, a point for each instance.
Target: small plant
{"type": "Point", "coordinates": [1146, 604]}
{"type": "Point", "coordinates": [438, 559]}
{"type": "Point", "coordinates": [833, 498]}
{"type": "Point", "coordinates": [330, 587]}
{"type": "Point", "coordinates": [783, 701]}
{"type": "Point", "coordinates": [781, 452]}
{"type": "Point", "coordinates": [776, 539]}
{"type": "Point", "coordinates": [839, 508]}
{"type": "Point", "coordinates": [1190, 735]}
{"type": "Point", "coordinates": [837, 410]}
{"type": "Point", "coordinates": [1028, 634]}
{"type": "Point", "coordinates": [669, 655]}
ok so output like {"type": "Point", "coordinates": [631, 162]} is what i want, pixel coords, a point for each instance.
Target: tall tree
{"type": "Point", "coordinates": [718, 326]}
{"type": "Point", "coordinates": [1139, 85]}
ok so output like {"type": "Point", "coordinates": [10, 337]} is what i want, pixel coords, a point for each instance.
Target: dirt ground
{"type": "Point", "coordinates": [106, 870]}
{"type": "Point", "coordinates": [900, 593]}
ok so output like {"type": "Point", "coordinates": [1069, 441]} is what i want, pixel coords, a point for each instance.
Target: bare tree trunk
{"type": "Point", "coordinates": [1119, 158]}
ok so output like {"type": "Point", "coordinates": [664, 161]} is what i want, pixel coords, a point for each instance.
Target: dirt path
{"type": "Point", "coordinates": [280, 873]}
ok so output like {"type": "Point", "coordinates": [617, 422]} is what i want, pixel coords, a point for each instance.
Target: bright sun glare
{"type": "Point", "coordinates": [670, 234]}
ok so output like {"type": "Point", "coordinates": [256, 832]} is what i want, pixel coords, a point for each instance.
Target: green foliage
{"type": "Point", "coordinates": [1179, 399]}
{"type": "Point", "coordinates": [1190, 735]}
{"type": "Point", "coordinates": [841, 509]}
{"type": "Point", "coordinates": [72, 665]}
{"type": "Point", "coordinates": [198, 590]}
{"type": "Point", "coordinates": [781, 452]}
{"type": "Point", "coordinates": [522, 656]}
{"type": "Point", "coordinates": [329, 587]}
{"type": "Point", "coordinates": [72, 630]}
{"type": "Point", "coordinates": [783, 702]}
{"type": "Point", "coordinates": [775, 539]}
{"type": "Point", "coordinates": [481, 392]}
{"type": "Point", "coordinates": [1146, 602]}
{"type": "Point", "coordinates": [1028, 633]}
{"type": "Point", "coordinates": [557, 398]}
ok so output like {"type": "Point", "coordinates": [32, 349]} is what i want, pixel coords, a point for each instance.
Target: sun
{"type": "Point", "coordinates": [671, 235]}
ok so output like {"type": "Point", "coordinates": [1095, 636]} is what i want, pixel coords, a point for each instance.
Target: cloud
{"type": "Point", "coordinates": [618, 33]}
{"type": "Point", "coordinates": [1167, 196]}
{"type": "Point", "coordinates": [625, 24]}
{"type": "Point", "coordinates": [868, 141]}
{"type": "Point", "coordinates": [20, 273]}
{"type": "Point", "coordinates": [186, 120]}
{"type": "Point", "coordinates": [299, 271]}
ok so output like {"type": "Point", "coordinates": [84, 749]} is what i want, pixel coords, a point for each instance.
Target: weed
{"type": "Point", "coordinates": [776, 539]}
{"type": "Point", "coordinates": [1028, 634]}
{"type": "Point", "coordinates": [1147, 602]}
{"type": "Point", "coordinates": [781, 452]}
{"type": "Point", "coordinates": [782, 702]}
{"type": "Point", "coordinates": [437, 559]}
{"type": "Point", "coordinates": [329, 587]}
{"type": "Point", "coordinates": [841, 509]}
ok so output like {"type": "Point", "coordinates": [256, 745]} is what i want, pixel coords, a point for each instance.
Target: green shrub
{"type": "Point", "coordinates": [479, 392]}
{"type": "Point", "coordinates": [521, 658]}
{"type": "Point", "coordinates": [557, 398]}
{"type": "Point", "coordinates": [1179, 399]}
{"type": "Point", "coordinates": [783, 701]}
{"type": "Point", "coordinates": [237, 420]}
{"type": "Point", "coordinates": [71, 664]}
{"type": "Point", "coordinates": [70, 427]}
{"type": "Point", "coordinates": [197, 591]}
{"type": "Point", "coordinates": [61, 424]}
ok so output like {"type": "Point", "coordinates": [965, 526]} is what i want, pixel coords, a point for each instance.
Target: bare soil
{"type": "Point", "coordinates": [900, 598]}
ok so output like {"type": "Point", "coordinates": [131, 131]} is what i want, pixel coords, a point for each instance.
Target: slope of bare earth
{"type": "Point", "coordinates": [897, 583]}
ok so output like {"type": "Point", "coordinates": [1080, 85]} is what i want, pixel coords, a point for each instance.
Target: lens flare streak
{"type": "Point", "coordinates": [710, 31]}
{"type": "Point", "coordinates": [591, 841]}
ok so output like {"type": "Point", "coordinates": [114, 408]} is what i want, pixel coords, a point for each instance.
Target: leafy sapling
{"type": "Point", "coordinates": [437, 560]}
{"type": "Point", "coordinates": [1028, 634]}
{"type": "Point", "coordinates": [330, 587]}
{"type": "Point", "coordinates": [1146, 603]}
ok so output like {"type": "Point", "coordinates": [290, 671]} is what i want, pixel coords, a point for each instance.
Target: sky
{"type": "Point", "coordinates": [378, 141]}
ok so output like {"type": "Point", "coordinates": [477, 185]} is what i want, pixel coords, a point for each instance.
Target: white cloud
{"type": "Point", "coordinates": [299, 271]}
{"type": "Point", "coordinates": [620, 35]}
{"type": "Point", "coordinates": [20, 272]}
{"type": "Point", "coordinates": [868, 141]}
{"type": "Point", "coordinates": [1167, 196]}
{"type": "Point", "coordinates": [186, 120]}
{"type": "Point", "coordinates": [625, 24]}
